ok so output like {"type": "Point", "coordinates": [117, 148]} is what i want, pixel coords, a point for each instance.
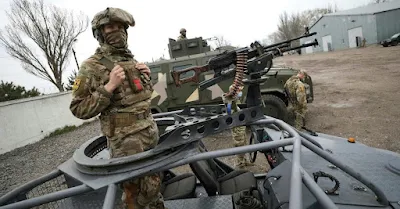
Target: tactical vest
{"type": "Point", "coordinates": [136, 88]}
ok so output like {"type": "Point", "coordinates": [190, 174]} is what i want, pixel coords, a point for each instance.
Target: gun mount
{"type": "Point", "coordinates": [255, 61]}
{"type": "Point", "coordinates": [90, 178]}
{"type": "Point", "coordinates": [196, 52]}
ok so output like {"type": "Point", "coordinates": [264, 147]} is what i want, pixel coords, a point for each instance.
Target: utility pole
{"type": "Point", "coordinates": [73, 51]}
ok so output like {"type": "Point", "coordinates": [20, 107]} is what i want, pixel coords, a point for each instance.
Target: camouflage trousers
{"type": "Point", "coordinates": [239, 139]}
{"type": "Point", "coordinates": [141, 192]}
{"type": "Point", "coordinates": [299, 113]}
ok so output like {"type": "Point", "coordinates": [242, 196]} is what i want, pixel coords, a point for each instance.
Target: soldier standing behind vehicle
{"type": "Point", "coordinates": [124, 104]}
{"type": "Point", "coordinates": [296, 92]}
{"type": "Point", "coordinates": [183, 34]}
{"type": "Point", "coordinates": [238, 133]}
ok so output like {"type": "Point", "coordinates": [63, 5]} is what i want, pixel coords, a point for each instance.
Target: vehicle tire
{"type": "Point", "coordinates": [275, 107]}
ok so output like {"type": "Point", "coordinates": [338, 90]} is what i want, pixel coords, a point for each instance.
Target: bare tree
{"type": "Point", "coordinates": [271, 38]}
{"type": "Point", "coordinates": [284, 30]}
{"type": "Point", "coordinates": [312, 15]}
{"type": "Point", "coordinates": [291, 26]}
{"type": "Point", "coordinates": [220, 41]}
{"type": "Point", "coordinates": [71, 80]}
{"type": "Point", "coordinates": [50, 29]}
{"type": "Point", "coordinates": [288, 27]}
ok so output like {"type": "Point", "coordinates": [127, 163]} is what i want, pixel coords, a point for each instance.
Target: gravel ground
{"type": "Point", "coordinates": [32, 161]}
{"type": "Point", "coordinates": [356, 92]}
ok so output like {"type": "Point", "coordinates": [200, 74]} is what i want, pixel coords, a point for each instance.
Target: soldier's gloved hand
{"type": "Point", "coordinates": [117, 77]}
{"type": "Point", "coordinates": [228, 103]}
{"type": "Point", "coordinates": [143, 68]}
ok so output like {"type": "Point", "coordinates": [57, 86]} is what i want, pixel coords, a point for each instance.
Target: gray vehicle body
{"type": "Point", "coordinates": [368, 177]}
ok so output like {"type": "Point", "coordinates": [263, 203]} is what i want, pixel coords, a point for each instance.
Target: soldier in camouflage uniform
{"type": "Point", "coordinates": [297, 96]}
{"type": "Point", "coordinates": [183, 34]}
{"type": "Point", "coordinates": [239, 132]}
{"type": "Point", "coordinates": [114, 84]}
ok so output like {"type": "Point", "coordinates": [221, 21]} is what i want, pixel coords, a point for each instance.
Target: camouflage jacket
{"type": "Point", "coordinates": [296, 90]}
{"type": "Point", "coordinates": [90, 98]}
{"type": "Point", "coordinates": [181, 37]}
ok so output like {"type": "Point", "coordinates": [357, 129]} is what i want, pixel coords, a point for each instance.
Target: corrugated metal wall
{"type": "Point", "coordinates": [388, 24]}
{"type": "Point", "coordinates": [338, 28]}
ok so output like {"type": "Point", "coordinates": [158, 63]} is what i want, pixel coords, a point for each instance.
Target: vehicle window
{"type": "Point", "coordinates": [182, 67]}
{"type": "Point", "coordinates": [395, 35]}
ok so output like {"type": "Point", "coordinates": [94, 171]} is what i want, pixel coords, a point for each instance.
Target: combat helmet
{"type": "Point", "coordinates": [108, 15]}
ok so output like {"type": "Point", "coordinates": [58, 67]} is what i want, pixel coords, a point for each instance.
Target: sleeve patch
{"type": "Point", "coordinates": [76, 85]}
{"type": "Point", "coordinates": [79, 85]}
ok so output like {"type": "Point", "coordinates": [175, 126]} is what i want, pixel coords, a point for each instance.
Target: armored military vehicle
{"type": "Point", "coordinates": [196, 51]}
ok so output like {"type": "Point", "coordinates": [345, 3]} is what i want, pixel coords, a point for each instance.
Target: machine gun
{"type": "Point", "coordinates": [255, 61]}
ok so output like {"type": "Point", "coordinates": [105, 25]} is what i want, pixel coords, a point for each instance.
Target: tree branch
{"type": "Point", "coordinates": [51, 30]}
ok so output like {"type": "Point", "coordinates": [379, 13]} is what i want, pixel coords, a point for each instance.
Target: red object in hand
{"type": "Point", "coordinates": [137, 83]}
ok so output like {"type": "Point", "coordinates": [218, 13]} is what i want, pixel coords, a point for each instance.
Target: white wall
{"type": "Point", "coordinates": [26, 121]}
{"type": "Point", "coordinates": [309, 49]}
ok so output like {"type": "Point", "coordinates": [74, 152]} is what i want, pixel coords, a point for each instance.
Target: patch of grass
{"type": "Point", "coordinates": [60, 131]}
{"type": "Point", "coordinates": [67, 128]}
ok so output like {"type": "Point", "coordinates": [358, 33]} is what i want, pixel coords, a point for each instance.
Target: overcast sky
{"type": "Point", "coordinates": [240, 22]}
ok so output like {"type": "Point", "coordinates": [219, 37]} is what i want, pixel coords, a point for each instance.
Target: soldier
{"type": "Point", "coordinates": [295, 89]}
{"type": "Point", "coordinates": [183, 34]}
{"type": "Point", "coordinates": [364, 41]}
{"type": "Point", "coordinates": [114, 84]}
{"type": "Point", "coordinates": [238, 133]}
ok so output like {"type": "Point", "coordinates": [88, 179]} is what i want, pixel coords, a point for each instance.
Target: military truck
{"type": "Point", "coordinates": [196, 51]}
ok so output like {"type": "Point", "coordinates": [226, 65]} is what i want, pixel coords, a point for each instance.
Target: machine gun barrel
{"type": "Point", "coordinates": [290, 40]}
{"type": "Point", "coordinates": [277, 47]}
{"type": "Point", "coordinates": [314, 43]}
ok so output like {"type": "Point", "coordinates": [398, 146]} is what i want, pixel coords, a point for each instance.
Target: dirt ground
{"type": "Point", "coordinates": [356, 95]}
